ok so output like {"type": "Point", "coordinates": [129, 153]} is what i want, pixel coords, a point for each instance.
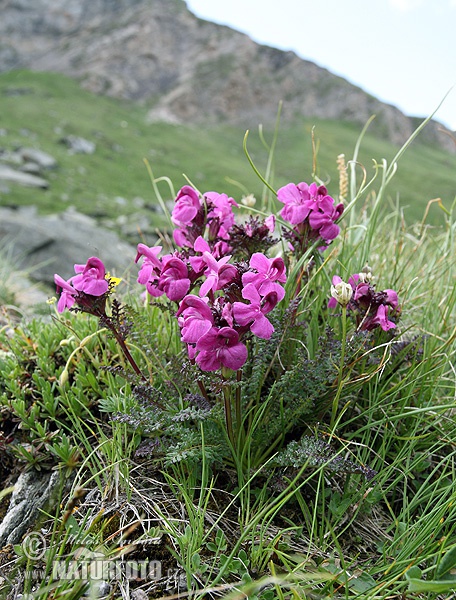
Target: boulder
{"type": "Point", "coordinates": [78, 145]}
{"type": "Point", "coordinates": [31, 167]}
{"type": "Point", "coordinates": [34, 492]}
{"type": "Point", "coordinates": [44, 245]}
{"type": "Point", "coordinates": [9, 174]}
{"type": "Point", "coordinates": [42, 159]}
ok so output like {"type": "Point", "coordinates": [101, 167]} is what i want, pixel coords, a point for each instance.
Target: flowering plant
{"type": "Point", "coordinates": [234, 307]}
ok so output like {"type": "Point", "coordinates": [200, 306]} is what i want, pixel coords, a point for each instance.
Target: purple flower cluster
{"type": "Point", "coordinates": [312, 212]}
{"type": "Point", "coordinates": [208, 233]}
{"type": "Point", "coordinates": [85, 289]}
{"type": "Point", "coordinates": [371, 308]}
{"type": "Point", "coordinates": [166, 275]}
{"type": "Point", "coordinates": [221, 303]}
{"type": "Point", "coordinates": [232, 299]}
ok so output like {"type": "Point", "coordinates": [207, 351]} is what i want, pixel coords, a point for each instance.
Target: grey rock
{"type": "Point", "coordinates": [43, 159]}
{"type": "Point", "coordinates": [34, 490]}
{"type": "Point", "coordinates": [98, 589]}
{"type": "Point", "coordinates": [44, 245]}
{"type": "Point", "coordinates": [78, 145]}
{"type": "Point", "coordinates": [27, 295]}
{"type": "Point", "coordinates": [9, 174]}
{"type": "Point", "coordinates": [31, 167]}
{"type": "Point", "coordinates": [139, 595]}
{"type": "Point", "coordinates": [132, 226]}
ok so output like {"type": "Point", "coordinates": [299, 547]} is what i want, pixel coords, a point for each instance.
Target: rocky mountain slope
{"type": "Point", "coordinates": [184, 68]}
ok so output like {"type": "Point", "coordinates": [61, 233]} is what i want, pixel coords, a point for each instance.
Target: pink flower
{"type": "Point", "coordinates": [166, 276]}
{"type": "Point", "coordinates": [191, 350]}
{"type": "Point", "coordinates": [270, 223]}
{"type": "Point", "coordinates": [254, 312]}
{"type": "Point", "coordinates": [91, 279]}
{"type": "Point", "coordinates": [323, 217]}
{"type": "Point", "coordinates": [174, 279]}
{"type": "Point", "coordinates": [299, 200]}
{"type": "Point", "coordinates": [151, 266]}
{"type": "Point", "coordinates": [370, 307]}
{"type": "Point", "coordinates": [151, 269]}
{"type": "Point", "coordinates": [227, 313]}
{"type": "Point", "coordinates": [88, 289]}
{"type": "Point", "coordinates": [391, 298]}
{"type": "Point", "coordinates": [201, 245]}
{"type": "Point", "coordinates": [269, 271]}
{"type": "Point", "coordinates": [197, 262]}
{"type": "Point", "coordinates": [187, 206]}
{"type": "Point", "coordinates": [217, 272]}
{"type": "Point", "coordinates": [67, 293]}
{"type": "Point", "coordinates": [295, 209]}
{"type": "Point", "coordinates": [221, 249]}
{"type": "Point", "coordinates": [363, 295]}
{"type": "Point", "coordinates": [222, 206]}
{"type": "Point", "coordinates": [194, 318]}
{"type": "Point", "coordinates": [220, 214]}
{"type": "Point", "coordinates": [312, 211]}
{"type": "Point", "coordinates": [220, 348]}
{"type": "Point", "coordinates": [381, 318]}
{"type": "Point", "coordinates": [180, 238]}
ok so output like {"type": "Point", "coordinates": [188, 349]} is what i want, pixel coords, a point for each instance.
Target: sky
{"type": "Point", "coordinates": [401, 51]}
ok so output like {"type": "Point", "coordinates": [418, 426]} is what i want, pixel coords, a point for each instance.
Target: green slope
{"type": "Point", "coordinates": [38, 109]}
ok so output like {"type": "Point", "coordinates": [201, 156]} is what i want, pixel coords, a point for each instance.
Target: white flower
{"type": "Point", "coordinates": [341, 291]}
{"type": "Point", "coordinates": [249, 200]}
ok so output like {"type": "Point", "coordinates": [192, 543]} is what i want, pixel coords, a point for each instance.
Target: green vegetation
{"type": "Point", "coordinates": [336, 476]}
{"type": "Point", "coordinates": [38, 109]}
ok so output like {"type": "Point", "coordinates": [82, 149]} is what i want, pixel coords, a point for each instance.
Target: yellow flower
{"type": "Point", "coordinates": [113, 280]}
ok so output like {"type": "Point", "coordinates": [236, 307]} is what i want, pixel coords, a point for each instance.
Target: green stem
{"type": "Point", "coordinates": [228, 415]}
{"type": "Point", "coordinates": [340, 379]}
{"type": "Point", "coordinates": [237, 400]}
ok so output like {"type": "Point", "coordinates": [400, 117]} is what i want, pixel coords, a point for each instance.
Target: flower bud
{"type": "Point", "coordinates": [64, 376]}
{"type": "Point", "coordinates": [249, 200]}
{"type": "Point", "coordinates": [366, 275]}
{"type": "Point", "coordinates": [342, 292]}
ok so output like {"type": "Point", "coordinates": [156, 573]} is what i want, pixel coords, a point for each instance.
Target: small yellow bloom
{"type": "Point", "coordinates": [113, 280]}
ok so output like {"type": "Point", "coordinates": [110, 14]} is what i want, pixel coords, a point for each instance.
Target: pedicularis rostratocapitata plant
{"type": "Point", "coordinates": [243, 324]}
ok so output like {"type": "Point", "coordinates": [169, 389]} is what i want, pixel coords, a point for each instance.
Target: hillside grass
{"type": "Point", "coordinates": [38, 109]}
